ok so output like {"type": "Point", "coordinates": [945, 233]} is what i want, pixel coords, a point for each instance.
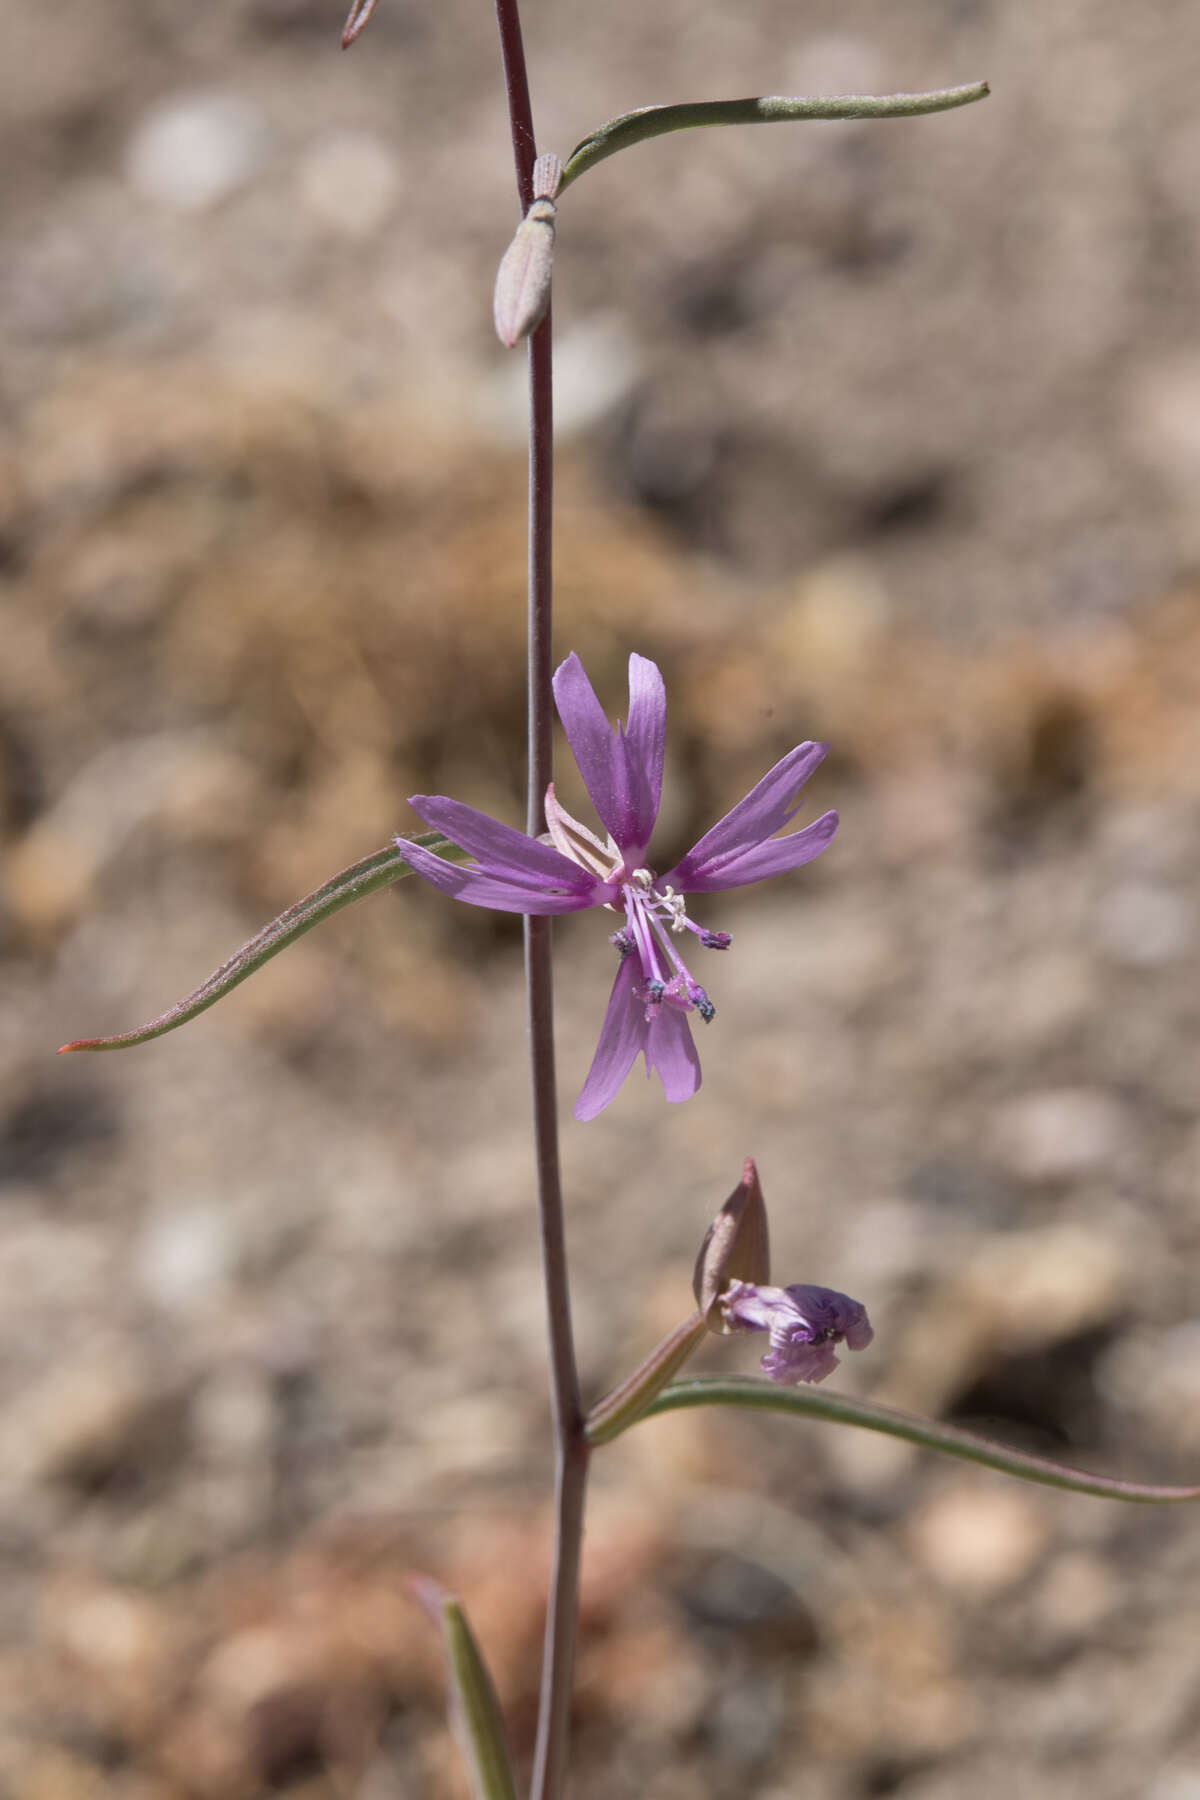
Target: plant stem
{"type": "Point", "coordinates": [516, 88]}
{"type": "Point", "coordinates": [571, 1447]}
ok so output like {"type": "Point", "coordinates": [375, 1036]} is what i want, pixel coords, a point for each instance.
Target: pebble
{"type": "Point", "coordinates": [184, 1257]}
{"type": "Point", "coordinates": [1048, 996]}
{"type": "Point", "coordinates": [1018, 1292]}
{"type": "Point", "coordinates": [233, 1417]}
{"type": "Point", "coordinates": [1075, 1598]}
{"type": "Point", "coordinates": [1176, 1784]}
{"type": "Point", "coordinates": [596, 364]}
{"type": "Point", "coordinates": [251, 1666]}
{"type": "Point", "coordinates": [348, 182]}
{"type": "Point", "coordinates": [182, 779]}
{"type": "Point", "coordinates": [1156, 1376]}
{"type": "Point", "coordinates": [1142, 925]}
{"type": "Point", "coordinates": [1029, 1289]}
{"type": "Point", "coordinates": [119, 1641]}
{"type": "Point", "coordinates": [1059, 1134]}
{"type": "Point", "coordinates": [869, 1463]}
{"type": "Point", "coordinates": [1163, 420]}
{"type": "Point", "coordinates": [979, 1540]}
{"type": "Point", "coordinates": [190, 152]}
{"type": "Point", "coordinates": [79, 1422]}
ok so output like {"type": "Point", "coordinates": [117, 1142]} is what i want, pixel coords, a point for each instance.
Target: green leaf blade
{"type": "Point", "coordinates": [474, 1705]}
{"type": "Point", "coordinates": [761, 109]}
{"type": "Point", "coordinates": [341, 890]}
{"type": "Point", "coordinates": [929, 1434]}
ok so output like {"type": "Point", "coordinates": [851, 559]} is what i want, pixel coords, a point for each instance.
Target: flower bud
{"type": "Point", "coordinates": [735, 1248]}
{"type": "Point", "coordinates": [523, 278]}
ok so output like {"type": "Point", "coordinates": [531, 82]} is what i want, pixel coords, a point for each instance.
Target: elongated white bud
{"type": "Point", "coordinates": [523, 278]}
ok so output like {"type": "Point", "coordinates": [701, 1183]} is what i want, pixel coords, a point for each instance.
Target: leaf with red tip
{"type": "Point", "coordinates": [355, 883]}
{"type": "Point", "coordinates": [360, 12]}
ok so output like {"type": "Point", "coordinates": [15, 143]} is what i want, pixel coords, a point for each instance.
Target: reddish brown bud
{"type": "Point", "coordinates": [735, 1248]}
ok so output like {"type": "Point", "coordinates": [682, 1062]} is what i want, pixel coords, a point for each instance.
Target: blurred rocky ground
{"type": "Point", "coordinates": [888, 434]}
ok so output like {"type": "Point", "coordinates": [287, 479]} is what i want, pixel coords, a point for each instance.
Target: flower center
{"type": "Point", "coordinates": [654, 916]}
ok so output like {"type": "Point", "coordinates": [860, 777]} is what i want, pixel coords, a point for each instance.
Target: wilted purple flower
{"type": "Point", "coordinates": [654, 990]}
{"type": "Point", "coordinates": [804, 1322]}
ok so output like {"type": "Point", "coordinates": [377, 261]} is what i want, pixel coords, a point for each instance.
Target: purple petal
{"type": "Point", "coordinates": [622, 1035]}
{"type": "Point", "coordinates": [805, 1323]}
{"type": "Point", "coordinates": [748, 1307]}
{"type": "Point", "coordinates": [800, 1362]}
{"type": "Point", "coordinates": [501, 850]}
{"type": "Point", "coordinates": [670, 1052]}
{"type": "Point", "coordinates": [618, 770]}
{"type": "Point", "coordinates": [478, 888]}
{"type": "Point", "coordinates": [646, 731]}
{"type": "Point", "coordinates": [827, 1310]}
{"type": "Point", "coordinates": [775, 857]}
{"type": "Point", "coordinates": [766, 809]}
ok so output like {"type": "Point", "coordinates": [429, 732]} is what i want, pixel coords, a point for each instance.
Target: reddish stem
{"type": "Point", "coordinates": [572, 1450]}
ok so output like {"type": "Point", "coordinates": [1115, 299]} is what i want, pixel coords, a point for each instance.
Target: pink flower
{"type": "Point", "coordinates": [654, 990]}
{"type": "Point", "coordinates": [804, 1322]}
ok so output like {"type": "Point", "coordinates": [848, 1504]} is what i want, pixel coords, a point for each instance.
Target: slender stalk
{"type": "Point", "coordinates": [572, 1450]}
{"type": "Point", "coordinates": [516, 88]}
{"type": "Point", "coordinates": [558, 1659]}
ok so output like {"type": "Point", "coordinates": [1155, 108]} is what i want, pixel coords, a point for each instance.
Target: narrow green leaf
{"type": "Point", "coordinates": [931, 1434]}
{"type": "Point", "coordinates": [625, 1405]}
{"type": "Point", "coordinates": [477, 1716]}
{"type": "Point", "coordinates": [763, 109]}
{"type": "Point", "coordinates": [355, 883]}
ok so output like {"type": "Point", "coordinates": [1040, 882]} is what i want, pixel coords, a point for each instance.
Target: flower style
{"type": "Point", "coordinates": [571, 869]}
{"type": "Point", "coordinates": [804, 1322]}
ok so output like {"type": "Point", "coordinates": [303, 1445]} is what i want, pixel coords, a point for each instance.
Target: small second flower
{"type": "Point", "coordinates": [805, 1323]}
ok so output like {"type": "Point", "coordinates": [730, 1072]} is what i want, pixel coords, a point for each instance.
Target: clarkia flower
{"type": "Point", "coordinates": [805, 1324]}
{"type": "Point", "coordinates": [571, 869]}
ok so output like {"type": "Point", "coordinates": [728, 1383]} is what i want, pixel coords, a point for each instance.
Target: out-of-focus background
{"type": "Point", "coordinates": [888, 434]}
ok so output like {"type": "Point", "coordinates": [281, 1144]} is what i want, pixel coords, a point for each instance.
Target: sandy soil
{"type": "Point", "coordinates": [885, 434]}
